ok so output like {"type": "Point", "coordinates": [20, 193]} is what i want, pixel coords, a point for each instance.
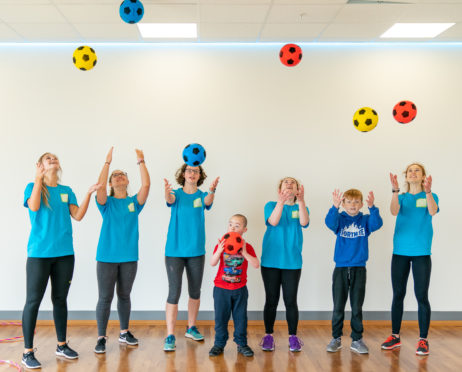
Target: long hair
{"type": "Point", "coordinates": [292, 178]}
{"type": "Point", "coordinates": [43, 189]}
{"type": "Point", "coordinates": [111, 191]}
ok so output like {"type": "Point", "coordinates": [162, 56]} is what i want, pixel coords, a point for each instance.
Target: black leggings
{"type": "Point", "coordinates": [273, 279]}
{"type": "Point", "coordinates": [38, 270]}
{"type": "Point", "coordinates": [421, 270]}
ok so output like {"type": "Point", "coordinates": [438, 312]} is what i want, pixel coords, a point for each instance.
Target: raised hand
{"type": "Point", "coordinates": [284, 195]}
{"type": "Point", "coordinates": [394, 181]}
{"type": "Point", "coordinates": [301, 194]}
{"type": "Point", "coordinates": [109, 155]}
{"type": "Point", "coordinates": [214, 185]}
{"type": "Point", "coordinates": [94, 188]}
{"type": "Point", "coordinates": [337, 198]}
{"type": "Point", "coordinates": [40, 171]}
{"type": "Point", "coordinates": [370, 199]}
{"type": "Point", "coordinates": [139, 154]}
{"type": "Point", "coordinates": [168, 188]}
{"type": "Point", "coordinates": [221, 245]}
{"type": "Point", "coordinates": [427, 185]}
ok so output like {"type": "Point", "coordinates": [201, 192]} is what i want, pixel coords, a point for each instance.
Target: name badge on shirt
{"type": "Point", "coordinates": [421, 203]}
{"type": "Point", "coordinates": [131, 207]}
{"type": "Point", "coordinates": [64, 198]}
{"type": "Point", "coordinates": [197, 203]}
{"type": "Point", "coordinates": [295, 214]}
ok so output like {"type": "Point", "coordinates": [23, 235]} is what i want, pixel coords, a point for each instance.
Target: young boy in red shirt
{"type": "Point", "coordinates": [230, 293]}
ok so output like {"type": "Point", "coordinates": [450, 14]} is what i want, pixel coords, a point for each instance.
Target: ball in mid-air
{"type": "Point", "coordinates": [365, 119]}
{"type": "Point", "coordinates": [131, 11]}
{"type": "Point", "coordinates": [194, 154]}
{"type": "Point", "coordinates": [290, 55]}
{"type": "Point", "coordinates": [404, 112]}
{"type": "Point", "coordinates": [84, 58]}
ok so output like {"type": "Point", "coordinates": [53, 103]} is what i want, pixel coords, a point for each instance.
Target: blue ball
{"type": "Point", "coordinates": [194, 154]}
{"type": "Point", "coordinates": [131, 11]}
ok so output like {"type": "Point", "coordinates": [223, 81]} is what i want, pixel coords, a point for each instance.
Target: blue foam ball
{"type": "Point", "coordinates": [131, 11]}
{"type": "Point", "coordinates": [194, 154]}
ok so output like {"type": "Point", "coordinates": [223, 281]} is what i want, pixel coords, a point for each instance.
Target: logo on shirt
{"type": "Point", "coordinates": [197, 203]}
{"type": "Point", "coordinates": [352, 231]}
{"type": "Point", "coordinates": [232, 270]}
{"type": "Point", "coordinates": [64, 198]}
{"type": "Point", "coordinates": [421, 203]}
{"type": "Point", "coordinates": [131, 207]}
{"type": "Point", "coordinates": [295, 214]}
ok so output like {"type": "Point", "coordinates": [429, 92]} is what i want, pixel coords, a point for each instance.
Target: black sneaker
{"type": "Point", "coordinates": [66, 351]}
{"type": "Point", "coordinates": [391, 342]}
{"type": "Point", "coordinates": [29, 360]}
{"type": "Point", "coordinates": [215, 350]}
{"type": "Point", "coordinates": [245, 350]}
{"type": "Point", "coordinates": [128, 338]}
{"type": "Point", "coordinates": [100, 347]}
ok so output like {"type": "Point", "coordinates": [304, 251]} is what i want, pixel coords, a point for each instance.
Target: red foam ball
{"type": "Point", "coordinates": [404, 112]}
{"type": "Point", "coordinates": [233, 242]}
{"type": "Point", "coordinates": [290, 55]}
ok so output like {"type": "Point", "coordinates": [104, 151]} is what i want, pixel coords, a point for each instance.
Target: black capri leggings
{"type": "Point", "coordinates": [38, 270]}
{"type": "Point", "coordinates": [421, 270]}
{"type": "Point", "coordinates": [273, 279]}
{"type": "Point", "coordinates": [194, 272]}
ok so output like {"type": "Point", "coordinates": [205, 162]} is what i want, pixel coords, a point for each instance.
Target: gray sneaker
{"type": "Point", "coordinates": [359, 347]}
{"type": "Point", "coordinates": [334, 345]}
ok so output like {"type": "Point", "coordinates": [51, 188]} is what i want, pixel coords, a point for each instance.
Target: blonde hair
{"type": "Point", "coordinates": [424, 174]}
{"type": "Point", "coordinates": [353, 194]}
{"type": "Point", "coordinates": [242, 217]}
{"type": "Point", "coordinates": [43, 188]}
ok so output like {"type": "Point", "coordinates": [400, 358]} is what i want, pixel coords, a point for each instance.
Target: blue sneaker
{"type": "Point", "coordinates": [169, 344]}
{"type": "Point", "coordinates": [194, 333]}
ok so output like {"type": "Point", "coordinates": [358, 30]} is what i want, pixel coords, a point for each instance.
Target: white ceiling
{"type": "Point", "coordinates": [224, 20]}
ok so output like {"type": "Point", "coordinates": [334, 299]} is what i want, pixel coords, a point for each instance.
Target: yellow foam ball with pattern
{"type": "Point", "coordinates": [365, 119]}
{"type": "Point", "coordinates": [84, 58]}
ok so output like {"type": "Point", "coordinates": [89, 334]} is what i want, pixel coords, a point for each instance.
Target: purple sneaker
{"type": "Point", "coordinates": [267, 343]}
{"type": "Point", "coordinates": [295, 344]}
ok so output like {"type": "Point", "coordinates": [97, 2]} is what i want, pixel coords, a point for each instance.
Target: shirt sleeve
{"type": "Point", "coordinates": [28, 193]}
{"type": "Point", "coordinates": [374, 222]}
{"type": "Point", "coordinates": [138, 206]}
{"type": "Point", "coordinates": [437, 200]}
{"type": "Point", "coordinates": [72, 198]}
{"type": "Point", "coordinates": [308, 224]}
{"type": "Point", "coordinates": [332, 219]}
{"type": "Point", "coordinates": [102, 207]}
{"type": "Point", "coordinates": [250, 250]}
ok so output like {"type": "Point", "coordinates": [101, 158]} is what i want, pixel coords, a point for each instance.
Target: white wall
{"type": "Point", "coordinates": [259, 121]}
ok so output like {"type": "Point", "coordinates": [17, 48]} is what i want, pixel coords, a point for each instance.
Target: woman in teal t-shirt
{"type": "Point", "coordinates": [117, 253]}
{"type": "Point", "coordinates": [412, 248]}
{"type": "Point", "coordinates": [185, 247]}
{"type": "Point", "coordinates": [281, 260]}
{"type": "Point", "coordinates": [50, 251]}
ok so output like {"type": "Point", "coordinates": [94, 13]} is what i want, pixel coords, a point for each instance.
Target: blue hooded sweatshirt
{"type": "Point", "coordinates": [351, 247]}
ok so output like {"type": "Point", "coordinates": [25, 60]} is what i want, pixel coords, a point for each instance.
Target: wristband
{"type": "Point", "coordinates": [394, 190]}
{"type": "Point", "coordinates": [140, 161]}
{"type": "Point", "coordinates": [428, 192]}
{"type": "Point", "coordinates": [212, 192]}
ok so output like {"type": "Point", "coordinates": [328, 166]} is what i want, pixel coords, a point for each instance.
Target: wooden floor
{"type": "Point", "coordinates": [445, 346]}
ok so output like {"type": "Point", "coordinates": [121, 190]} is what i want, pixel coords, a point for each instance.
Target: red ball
{"type": "Point", "coordinates": [233, 242]}
{"type": "Point", "coordinates": [290, 55]}
{"type": "Point", "coordinates": [404, 112]}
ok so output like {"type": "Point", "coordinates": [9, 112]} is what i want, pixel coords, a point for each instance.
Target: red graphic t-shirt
{"type": "Point", "coordinates": [232, 271]}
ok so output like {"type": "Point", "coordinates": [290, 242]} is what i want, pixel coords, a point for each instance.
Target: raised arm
{"type": "Point", "coordinates": [374, 222]}
{"type": "Point", "coordinates": [275, 216]}
{"type": "Point", "coordinates": [78, 213]}
{"type": "Point", "coordinates": [169, 194]}
{"type": "Point", "coordinates": [303, 213]}
{"type": "Point", "coordinates": [394, 205]}
{"type": "Point", "coordinates": [211, 195]}
{"type": "Point", "coordinates": [101, 193]}
{"type": "Point", "coordinates": [332, 218]}
{"type": "Point", "coordinates": [145, 180]}
{"type": "Point", "coordinates": [34, 201]}
{"type": "Point", "coordinates": [431, 203]}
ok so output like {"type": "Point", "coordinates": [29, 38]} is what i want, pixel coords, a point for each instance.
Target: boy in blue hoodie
{"type": "Point", "coordinates": [351, 253]}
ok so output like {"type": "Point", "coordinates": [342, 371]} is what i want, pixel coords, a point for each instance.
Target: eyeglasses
{"type": "Point", "coordinates": [119, 174]}
{"type": "Point", "coordinates": [195, 171]}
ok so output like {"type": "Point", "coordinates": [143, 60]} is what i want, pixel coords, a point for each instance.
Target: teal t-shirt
{"type": "Point", "coordinates": [118, 240]}
{"type": "Point", "coordinates": [186, 231]}
{"type": "Point", "coordinates": [282, 244]}
{"type": "Point", "coordinates": [413, 230]}
{"type": "Point", "coordinates": [51, 227]}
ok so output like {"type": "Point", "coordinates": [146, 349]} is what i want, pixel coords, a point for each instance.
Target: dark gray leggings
{"type": "Point", "coordinates": [194, 272]}
{"type": "Point", "coordinates": [109, 274]}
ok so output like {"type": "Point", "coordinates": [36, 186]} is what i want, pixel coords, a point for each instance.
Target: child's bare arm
{"type": "Point", "coordinates": [251, 259]}
{"type": "Point", "coordinates": [216, 256]}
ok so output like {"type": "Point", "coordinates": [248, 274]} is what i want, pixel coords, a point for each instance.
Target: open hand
{"type": "Point", "coordinates": [337, 198]}
{"type": "Point", "coordinates": [370, 199]}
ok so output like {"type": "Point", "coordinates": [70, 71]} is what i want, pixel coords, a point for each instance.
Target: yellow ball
{"type": "Point", "coordinates": [84, 58]}
{"type": "Point", "coordinates": [365, 119]}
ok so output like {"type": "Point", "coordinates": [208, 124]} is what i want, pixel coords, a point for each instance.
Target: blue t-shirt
{"type": "Point", "coordinates": [186, 231]}
{"type": "Point", "coordinates": [51, 227]}
{"type": "Point", "coordinates": [282, 244]}
{"type": "Point", "coordinates": [413, 230]}
{"type": "Point", "coordinates": [118, 240]}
